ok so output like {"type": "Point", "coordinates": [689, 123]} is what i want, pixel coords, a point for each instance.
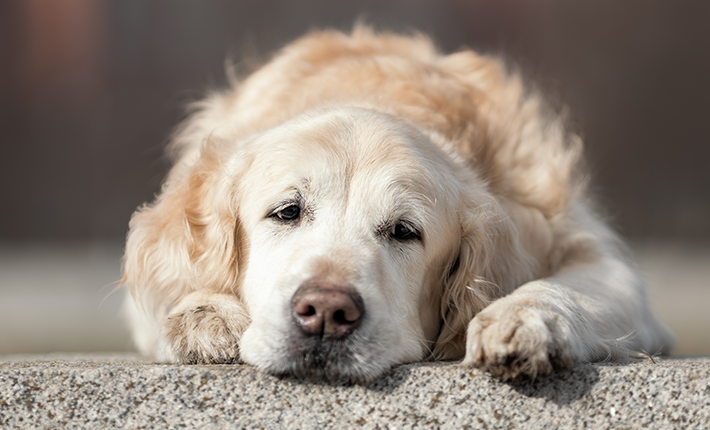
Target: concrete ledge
{"type": "Point", "coordinates": [125, 391]}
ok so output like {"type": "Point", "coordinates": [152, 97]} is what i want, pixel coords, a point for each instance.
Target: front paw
{"type": "Point", "coordinates": [205, 327]}
{"type": "Point", "coordinates": [199, 335]}
{"type": "Point", "coordinates": [511, 338]}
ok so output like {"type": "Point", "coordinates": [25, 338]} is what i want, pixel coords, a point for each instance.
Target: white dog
{"type": "Point", "coordinates": [362, 201]}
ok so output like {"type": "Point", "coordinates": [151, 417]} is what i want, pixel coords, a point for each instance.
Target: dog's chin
{"type": "Point", "coordinates": [350, 360]}
{"type": "Point", "coordinates": [347, 359]}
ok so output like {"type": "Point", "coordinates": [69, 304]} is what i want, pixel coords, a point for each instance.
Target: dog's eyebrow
{"type": "Point", "coordinates": [297, 197]}
{"type": "Point", "coordinates": [284, 201]}
{"type": "Point", "coordinates": [305, 184]}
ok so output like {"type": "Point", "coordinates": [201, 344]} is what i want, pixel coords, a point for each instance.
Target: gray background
{"type": "Point", "coordinates": [90, 90]}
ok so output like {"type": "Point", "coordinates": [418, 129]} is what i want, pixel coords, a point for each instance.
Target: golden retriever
{"type": "Point", "coordinates": [362, 201]}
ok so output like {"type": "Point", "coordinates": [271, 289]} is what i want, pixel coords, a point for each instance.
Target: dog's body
{"type": "Point", "coordinates": [363, 201]}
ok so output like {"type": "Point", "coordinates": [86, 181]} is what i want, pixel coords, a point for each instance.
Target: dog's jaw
{"type": "Point", "coordinates": [361, 357]}
{"type": "Point", "coordinates": [274, 344]}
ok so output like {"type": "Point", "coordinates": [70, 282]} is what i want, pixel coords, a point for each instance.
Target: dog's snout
{"type": "Point", "coordinates": [327, 310]}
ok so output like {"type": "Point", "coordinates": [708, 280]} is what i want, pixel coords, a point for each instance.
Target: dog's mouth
{"type": "Point", "coordinates": [331, 334]}
{"type": "Point", "coordinates": [325, 340]}
{"type": "Point", "coordinates": [334, 360]}
{"type": "Point", "coordinates": [320, 357]}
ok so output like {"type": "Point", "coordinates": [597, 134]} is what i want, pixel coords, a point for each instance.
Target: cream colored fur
{"type": "Point", "coordinates": [513, 273]}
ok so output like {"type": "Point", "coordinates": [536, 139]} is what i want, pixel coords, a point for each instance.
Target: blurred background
{"type": "Point", "coordinates": [91, 89]}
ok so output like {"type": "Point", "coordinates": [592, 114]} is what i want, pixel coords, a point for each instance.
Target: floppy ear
{"type": "Point", "coordinates": [187, 239]}
{"type": "Point", "coordinates": [489, 248]}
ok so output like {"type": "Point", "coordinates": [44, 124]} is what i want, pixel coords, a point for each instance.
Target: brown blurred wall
{"type": "Point", "coordinates": [90, 90]}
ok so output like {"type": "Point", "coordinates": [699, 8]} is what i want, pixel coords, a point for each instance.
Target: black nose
{"type": "Point", "coordinates": [324, 309]}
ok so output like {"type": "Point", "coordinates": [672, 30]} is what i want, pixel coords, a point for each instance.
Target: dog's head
{"type": "Point", "coordinates": [353, 240]}
{"type": "Point", "coordinates": [352, 223]}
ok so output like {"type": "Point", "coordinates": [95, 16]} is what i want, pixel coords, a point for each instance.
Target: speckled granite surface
{"type": "Point", "coordinates": [124, 391]}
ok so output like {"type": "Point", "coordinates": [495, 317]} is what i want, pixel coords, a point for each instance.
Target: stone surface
{"type": "Point", "coordinates": [125, 391]}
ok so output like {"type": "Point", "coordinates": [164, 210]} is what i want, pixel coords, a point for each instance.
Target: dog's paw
{"type": "Point", "coordinates": [512, 338]}
{"type": "Point", "coordinates": [200, 336]}
{"type": "Point", "coordinates": [204, 329]}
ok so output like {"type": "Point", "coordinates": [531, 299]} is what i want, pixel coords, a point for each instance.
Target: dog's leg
{"type": "Point", "coordinates": [587, 312]}
{"type": "Point", "coordinates": [204, 327]}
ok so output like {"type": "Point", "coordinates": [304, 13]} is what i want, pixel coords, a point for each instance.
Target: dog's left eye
{"type": "Point", "coordinates": [289, 213]}
{"type": "Point", "coordinates": [404, 232]}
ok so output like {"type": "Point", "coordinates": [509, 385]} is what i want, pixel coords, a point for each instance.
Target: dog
{"type": "Point", "coordinates": [362, 201]}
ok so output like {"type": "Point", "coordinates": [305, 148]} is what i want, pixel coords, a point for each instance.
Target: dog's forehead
{"type": "Point", "coordinates": [329, 148]}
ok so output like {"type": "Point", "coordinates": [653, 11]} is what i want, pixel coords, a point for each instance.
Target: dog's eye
{"type": "Point", "coordinates": [404, 232]}
{"type": "Point", "coordinates": [289, 213]}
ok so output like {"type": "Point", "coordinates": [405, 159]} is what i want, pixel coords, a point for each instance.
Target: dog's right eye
{"type": "Point", "coordinates": [404, 232]}
{"type": "Point", "coordinates": [289, 213]}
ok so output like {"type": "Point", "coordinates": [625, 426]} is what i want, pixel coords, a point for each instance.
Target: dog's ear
{"type": "Point", "coordinates": [489, 248]}
{"type": "Point", "coordinates": [188, 239]}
